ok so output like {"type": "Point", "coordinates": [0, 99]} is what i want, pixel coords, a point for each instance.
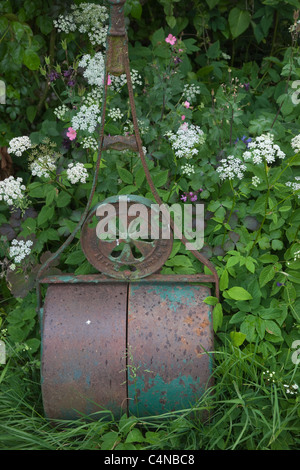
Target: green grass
{"type": "Point", "coordinates": [243, 410]}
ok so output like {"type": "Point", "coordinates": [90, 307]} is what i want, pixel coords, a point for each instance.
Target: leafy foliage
{"type": "Point", "coordinates": [232, 70]}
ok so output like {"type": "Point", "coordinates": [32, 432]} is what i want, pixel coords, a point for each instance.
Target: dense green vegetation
{"type": "Point", "coordinates": [225, 89]}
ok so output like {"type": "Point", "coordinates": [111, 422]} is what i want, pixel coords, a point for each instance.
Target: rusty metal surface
{"type": "Point", "coordinates": [152, 278]}
{"type": "Point", "coordinates": [120, 142]}
{"type": "Point", "coordinates": [169, 330]}
{"type": "Point", "coordinates": [122, 256]}
{"type": "Point", "coordinates": [83, 349]}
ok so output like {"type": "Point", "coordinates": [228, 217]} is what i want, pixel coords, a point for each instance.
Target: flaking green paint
{"type": "Point", "coordinates": [154, 396]}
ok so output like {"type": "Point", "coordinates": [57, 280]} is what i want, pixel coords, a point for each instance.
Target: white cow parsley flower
{"type": "Point", "coordinates": [87, 118]}
{"type": "Point", "coordinates": [231, 167]}
{"type": "Point", "coordinates": [294, 184]}
{"type": "Point", "coordinates": [86, 18]}
{"type": "Point", "coordinates": [12, 191]}
{"type": "Point", "coordinates": [190, 92]}
{"type": "Point", "coordinates": [186, 141]}
{"type": "Point", "coordinates": [89, 143]}
{"type": "Point", "coordinates": [188, 169]}
{"type": "Point", "coordinates": [43, 166]}
{"type": "Point", "coordinates": [295, 143]}
{"type": "Point", "coordinates": [115, 114]}
{"type": "Point", "coordinates": [263, 148]}
{"type": "Point", "coordinates": [93, 68]}
{"type": "Point", "coordinates": [18, 145]}
{"type": "Point", "coordinates": [19, 250]}
{"type": "Point", "coordinates": [77, 173]}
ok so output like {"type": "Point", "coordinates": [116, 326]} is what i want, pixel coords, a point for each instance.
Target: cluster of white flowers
{"type": "Point", "coordinates": [263, 148]}
{"type": "Point", "coordinates": [255, 181]}
{"type": "Point", "coordinates": [115, 114]}
{"type": "Point", "coordinates": [295, 186]}
{"type": "Point", "coordinates": [98, 35]}
{"type": "Point", "coordinates": [231, 167]}
{"type": "Point", "coordinates": [188, 169]}
{"type": "Point", "coordinates": [65, 24]}
{"type": "Point", "coordinates": [94, 68]}
{"type": "Point", "coordinates": [89, 143]}
{"type": "Point", "coordinates": [87, 118]}
{"type": "Point", "coordinates": [190, 92]}
{"type": "Point", "coordinates": [18, 145]}
{"type": "Point", "coordinates": [60, 111]}
{"type": "Point", "coordinates": [186, 140]}
{"type": "Point", "coordinates": [77, 173]}
{"type": "Point", "coordinates": [296, 255]}
{"type": "Point", "coordinates": [117, 82]}
{"type": "Point", "coordinates": [295, 143]}
{"type": "Point", "coordinates": [11, 191]}
{"type": "Point", "coordinates": [86, 18]}
{"type": "Point", "coordinates": [42, 166]}
{"type": "Point", "coordinates": [291, 389]}
{"type": "Point", "coordinates": [94, 96]}
{"type": "Point", "coordinates": [19, 250]}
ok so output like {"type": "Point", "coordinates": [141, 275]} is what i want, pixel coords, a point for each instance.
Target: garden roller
{"type": "Point", "coordinates": [127, 339]}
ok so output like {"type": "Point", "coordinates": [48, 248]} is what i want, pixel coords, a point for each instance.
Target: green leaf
{"type": "Point", "coordinates": [239, 293]}
{"type": "Point", "coordinates": [266, 275]}
{"type": "Point", "coordinates": [160, 179]}
{"type": "Point", "coordinates": [125, 175]}
{"type": "Point", "coordinates": [217, 317]}
{"type": "Point", "coordinates": [75, 258]}
{"type": "Point", "coordinates": [31, 112]}
{"type": "Point", "coordinates": [224, 280]}
{"type": "Point", "coordinates": [63, 199]}
{"type": "Point", "coordinates": [272, 328]}
{"type": "Point", "coordinates": [31, 59]}
{"type": "Point", "coordinates": [237, 338]}
{"type": "Point", "coordinates": [46, 213]}
{"type": "Point", "coordinates": [210, 300]}
{"type": "Point", "coordinates": [239, 21]}
{"type": "Point", "coordinates": [135, 435]}
{"type": "Point", "coordinates": [171, 20]}
{"type": "Point", "coordinates": [179, 260]}
{"type": "Point", "coordinates": [248, 328]}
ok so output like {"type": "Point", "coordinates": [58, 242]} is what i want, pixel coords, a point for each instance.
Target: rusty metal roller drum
{"type": "Point", "coordinates": [142, 348]}
{"type": "Point", "coordinates": [83, 349]}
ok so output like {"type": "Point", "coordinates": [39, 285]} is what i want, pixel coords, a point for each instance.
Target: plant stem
{"type": "Point", "coordinates": [266, 207]}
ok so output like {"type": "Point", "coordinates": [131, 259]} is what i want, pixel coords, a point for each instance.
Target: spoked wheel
{"type": "Point", "coordinates": [118, 238]}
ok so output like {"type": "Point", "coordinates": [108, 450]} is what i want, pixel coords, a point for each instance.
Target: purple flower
{"type": "Point", "coordinates": [68, 73]}
{"type": "Point", "coordinates": [247, 86]}
{"type": "Point", "coordinates": [194, 198]}
{"type": "Point", "coordinates": [177, 60]}
{"type": "Point", "coordinates": [53, 75]}
{"type": "Point", "coordinates": [71, 83]}
{"type": "Point", "coordinates": [183, 198]}
{"type": "Point", "coordinates": [278, 284]}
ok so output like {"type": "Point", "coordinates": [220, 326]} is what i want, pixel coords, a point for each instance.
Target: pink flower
{"type": "Point", "coordinates": [171, 39]}
{"type": "Point", "coordinates": [183, 117]}
{"type": "Point", "coordinates": [71, 133]}
{"type": "Point", "coordinates": [108, 80]}
{"type": "Point", "coordinates": [186, 104]}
